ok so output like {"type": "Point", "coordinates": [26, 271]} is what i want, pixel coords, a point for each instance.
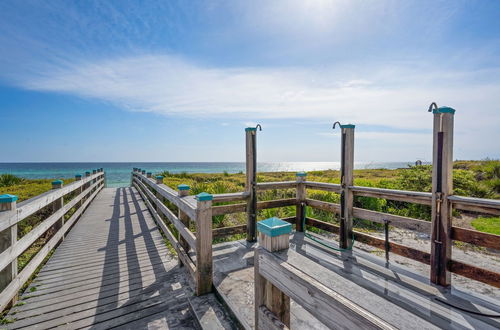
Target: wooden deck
{"type": "Point", "coordinates": [112, 270]}
{"type": "Point", "coordinates": [393, 293]}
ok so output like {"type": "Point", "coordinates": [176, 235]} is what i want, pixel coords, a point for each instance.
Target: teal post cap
{"type": "Point", "coordinates": [183, 187]}
{"type": "Point", "coordinates": [444, 110]}
{"type": "Point", "coordinates": [204, 197]}
{"type": "Point", "coordinates": [8, 198]}
{"type": "Point", "coordinates": [78, 175]}
{"type": "Point", "coordinates": [56, 182]}
{"type": "Point", "coordinates": [301, 174]}
{"type": "Point", "coordinates": [87, 172]}
{"type": "Point", "coordinates": [274, 227]}
{"type": "Point", "coordinates": [159, 177]}
{"type": "Point", "coordinates": [347, 126]}
{"type": "Point", "coordinates": [249, 129]}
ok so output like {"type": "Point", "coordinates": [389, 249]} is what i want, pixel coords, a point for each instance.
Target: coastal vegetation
{"type": "Point", "coordinates": [470, 178]}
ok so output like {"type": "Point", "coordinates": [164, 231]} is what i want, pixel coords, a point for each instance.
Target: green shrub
{"type": "Point", "coordinates": [7, 180]}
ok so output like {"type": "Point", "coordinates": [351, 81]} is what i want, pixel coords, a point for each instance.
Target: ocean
{"type": "Point", "coordinates": [118, 174]}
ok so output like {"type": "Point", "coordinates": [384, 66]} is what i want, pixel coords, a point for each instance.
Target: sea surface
{"type": "Point", "coordinates": [118, 174]}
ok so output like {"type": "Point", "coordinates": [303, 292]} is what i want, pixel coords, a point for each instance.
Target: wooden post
{"type": "Point", "coordinates": [273, 236]}
{"type": "Point", "coordinates": [78, 177]}
{"type": "Point", "coordinates": [183, 190]}
{"type": "Point", "coordinates": [346, 180]}
{"type": "Point", "coordinates": [203, 243]}
{"type": "Point", "coordinates": [143, 172]}
{"type": "Point", "coordinates": [8, 238]}
{"type": "Point", "coordinates": [251, 178]}
{"type": "Point", "coordinates": [442, 187]}
{"type": "Point", "coordinates": [58, 204]}
{"type": "Point", "coordinates": [149, 174]}
{"type": "Point", "coordinates": [301, 199]}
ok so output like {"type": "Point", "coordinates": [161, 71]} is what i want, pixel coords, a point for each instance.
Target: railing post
{"type": "Point", "coordinates": [143, 172]}
{"type": "Point", "coordinates": [346, 180]}
{"type": "Point", "coordinates": [78, 177]}
{"type": "Point", "coordinates": [203, 243]}
{"type": "Point", "coordinates": [58, 204]}
{"type": "Point", "coordinates": [301, 199]}
{"type": "Point", "coordinates": [149, 174]}
{"type": "Point", "coordinates": [273, 236]}
{"type": "Point", "coordinates": [251, 178]}
{"type": "Point", "coordinates": [442, 187]}
{"type": "Point", "coordinates": [183, 190]}
{"type": "Point", "coordinates": [8, 238]}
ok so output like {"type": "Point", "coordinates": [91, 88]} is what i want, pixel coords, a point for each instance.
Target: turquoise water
{"type": "Point", "coordinates": [118, 174]}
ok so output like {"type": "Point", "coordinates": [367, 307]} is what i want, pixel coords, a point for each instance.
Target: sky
{"type": "Point", "coordinates": [180, 80]}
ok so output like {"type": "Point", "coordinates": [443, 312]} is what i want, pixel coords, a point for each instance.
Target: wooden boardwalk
{"type": "Point", "coordinates": [112, 270]}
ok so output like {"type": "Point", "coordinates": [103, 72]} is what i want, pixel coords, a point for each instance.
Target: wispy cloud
{"type": "Point", "coordinates": [171, 85]}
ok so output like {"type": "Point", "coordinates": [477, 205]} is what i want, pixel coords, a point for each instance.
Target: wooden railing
{"type": "Point", "coordinates": [177, 227]}
{"type": "Point", "coordinates": [12, 213]}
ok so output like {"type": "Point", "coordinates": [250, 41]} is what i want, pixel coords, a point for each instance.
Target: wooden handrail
{"type": "Point", "coordinates": [230, 197]}
{"type": "Point", "coordinates": [9, 255]}
{"type": "Point", "coordinates": [185, 232]}
{"type": "Point", "coordinates": [25, 242]}
{"type": "Point", "coordinates": [26, 208]}
{"type": "Point", "coordinates": [393, 194]}
{"type": "Point", "coordinates": [489, 206]}
{"type": "Point", "coordinates": [333, 187]}
{"type": "Point", "coordinates": [276, 185]}
{"type": "Point", "coordinates": [170, 194]}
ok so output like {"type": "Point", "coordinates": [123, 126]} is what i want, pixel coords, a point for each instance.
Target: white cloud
{"type": "Point", "coordinates": [170, 85]}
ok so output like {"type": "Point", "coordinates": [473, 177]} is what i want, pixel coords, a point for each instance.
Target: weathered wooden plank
{"type": "Point", "coordinates": [25, 242]}
{"type": "Point", "coordinates": [168, 193]}
{"type": "Point", "coordinates": [32, 205]}
{"type": "Point", "coordinates": [476, 237]}
{"type": "Point", "coordinates": [479, 274]}
{"type": "Point", "coordinates": [203, 248]}
{"type": "Point", "coordinates": [267, 320]}
{"type": "Point", "coordinates": [12, 289]}
{"type": "Point", "coordinates": [325, 186]}
{"type": "Point", "coordinates": [251, 181]}
{"type": "Point", "coordinates": [276, 203]}
{"type": "Point", "coordinates": [276, 185]}
{"type": "Point", "coordinates": [398, 249]}
{"type": "Point", "coordinates": [325, 206]}
{"type": "Point", "coordinates": [332, 309]}
{"type": "Point", "coordinates": [227, 231]}
{"type": "Point", "coordinates": [395, 220]}
{"type": "Point", "coordinates": [231, 197]}
{"type": "Point", "coordinates": [395, 195]}
{"type": "Point", "coordinates": [480, 205]}
{"type": "Point", "coordinates": [185, 232]}
{"type": "Point", "coordinates": [228, 209]}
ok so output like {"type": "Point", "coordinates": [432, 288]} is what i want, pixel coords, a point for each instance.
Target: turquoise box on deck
{"type": "Point", "coordinates": [274, 227]}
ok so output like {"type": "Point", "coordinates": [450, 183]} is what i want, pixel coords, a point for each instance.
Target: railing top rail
{"type": "Point", "coordinates": [170, 194]}
{"type": "Point", "coordinates": [493, 203]}
{"type": "Point", "coordinates": [230, 197]}
{"type": "Point", "coordinates": [32, 205]}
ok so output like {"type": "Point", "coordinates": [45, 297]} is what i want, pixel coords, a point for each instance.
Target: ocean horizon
{"type": "Point", "coordinates": [118, 173]}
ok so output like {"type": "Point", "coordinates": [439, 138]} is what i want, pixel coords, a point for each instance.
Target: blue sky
{"type": "Point", "coordinates": [180, 80]}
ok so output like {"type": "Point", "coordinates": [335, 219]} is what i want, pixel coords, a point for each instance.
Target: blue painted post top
{"type": "Point", "coordinates": [78, 175]}
{"type": "Point", "coordinates": [57, 182]}
{"type": "Point", "coordinates": [202, 197]}
{"type": "Point", "coordinates": [8, 198]}
{"type": "Point", "coordinates": [87, 173]}
{"type": "Point", "coordinates": [183, 187]}
{"type": "Point", "coordinates": [250, 129]}
{"type": "Point", "coordinates": [444, 110]}
{"type": "Point", "coordinates": [159, 177]}
{"type": "Point", "coordinates": [274, 227]}
{"type": "Point", "coordinates": [348, 126]}
{"type": "Point", "coordinates": [301, 174]}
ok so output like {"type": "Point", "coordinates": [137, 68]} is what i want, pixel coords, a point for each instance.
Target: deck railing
{"type": "Point", "coordinates": [179, 209]}
{"type": "Point", "coordinates": [11, 213]}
